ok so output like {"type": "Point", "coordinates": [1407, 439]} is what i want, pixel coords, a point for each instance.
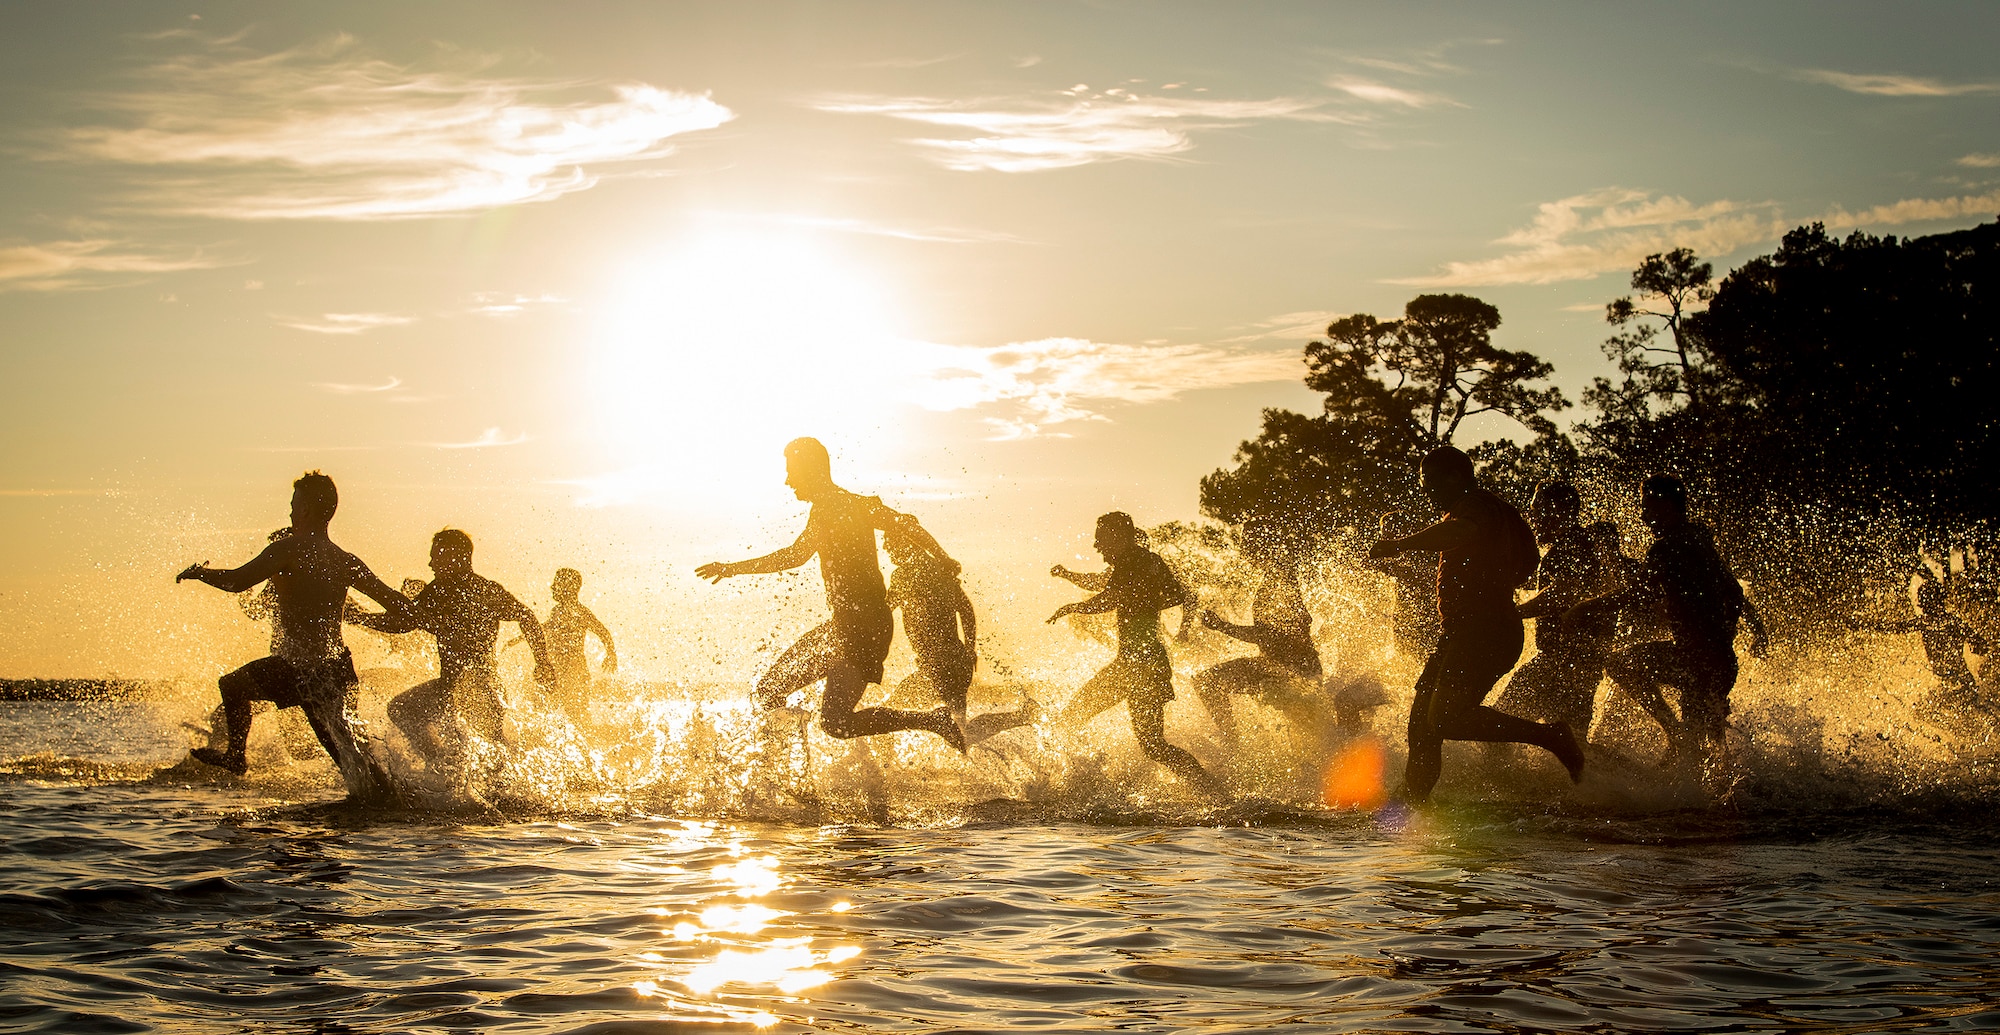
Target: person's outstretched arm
{"type": "Point", "coordinates": [790, 557]}
{"type": "Point", "coordinates": [235, 580]}
{"type": "Point", "coordinates": [403, 612]}
{"type": "Point", "coordinates": [1449, 534]}
{"type": "Point", "coordinates": [1096, 605]}
{"type": "Point", "coordinates": [591, 623]}
{"type": "Point", "coordinates": [968, 623]}
{"type": "Point", "coordinates": [1091, 581]}
{"type": "Point", "coordinates": [1760, 640]}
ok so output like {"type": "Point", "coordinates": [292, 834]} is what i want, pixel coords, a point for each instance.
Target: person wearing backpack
{"type": "Point", "coordinates": [1485, 550]}
{"type": "Point", "coordinates": [1689, 586]}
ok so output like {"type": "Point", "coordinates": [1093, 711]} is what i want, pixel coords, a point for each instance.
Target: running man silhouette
{"type": "Point", "coordinates": [846, 651]}
{"type": "Point", "coordinates": [569, 622]}
{"type": "Point", "coordinates": [1687, 583]}
{"type": "Point", "coordinates": [1484, 551]}
{"type": "Point", "coordinates": [1285, 671]}
{"type": "Point", "coordinates": [294, 732]}
{"type": "Point", "coordinates": [310, 666]}
{"type": "Point", "coordinates": [463, 610]}
{"type": "Point", "coordinates": [1560, 681]}
{"type": "Point", "coordinates": [1138, 586]}
{"type": "Point", "coordinates": [943, 632]}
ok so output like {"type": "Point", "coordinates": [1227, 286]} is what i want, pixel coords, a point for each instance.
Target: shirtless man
{"type": "Point", "coordinates": [1484, 551]}
{"type": "Point", "coordinates": [1285, 671]}
{"type": "Point", "coordinates": [1687, 583]}
{"type": "Point", "coordinates": [1560, 681]}
{"type": "Point", "coordinates": [848, 650]}
{"type": "Point", "coordinates": [569, 621]}
{"type": "Point", "coordinates": [1137, 587]}
{"type": "Point", "coordinates": [942, 630]}
{"type": "Point", "coordinates": [463, 610]}
{"type": "Point", "coordinates": [309, 666]}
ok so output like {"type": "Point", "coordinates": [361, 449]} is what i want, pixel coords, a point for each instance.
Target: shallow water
{"type": "Point", "coordinates": [178, 902]}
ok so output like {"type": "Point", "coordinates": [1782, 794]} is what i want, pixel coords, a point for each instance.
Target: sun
{"type": "Point", "coordinates": [711, 353]}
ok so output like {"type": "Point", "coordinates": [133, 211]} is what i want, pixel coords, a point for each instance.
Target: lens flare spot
{"type": "Point", "coordinates": [1354, 777]}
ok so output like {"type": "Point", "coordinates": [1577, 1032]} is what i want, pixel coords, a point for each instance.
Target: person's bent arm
{"type": "Point", "coordinates": [790, 557]}
{"type": "Point", "coordinates": [510, 609]}
{"type": "Point", "coordinates": [235, 580]}
{"type": "Point", "coordinates": [968, 623]}
{"type": "Point", "coordinates": [1097, 605]}
{"type": "Point", "coordinates": [603, 636]}
{"type": "Point", "coordinates": [393, 602]}
{"type": "Point", "coordinates": [1449, 534]}
{"type": "Point", "coordinates": [1760, 640]}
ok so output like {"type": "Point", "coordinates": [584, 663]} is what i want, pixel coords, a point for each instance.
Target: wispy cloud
{"type": "Point", "coordinates": [344, 323]}
{"type": "Point", "coordinates": [60, 265]}
{"type": "Point", "coordinates": [1892, 85]}
{"type": "Point", "coordinates": [910, 62]}
{"type": "Point", "coordinates": [1039, 385]}
{"type": "Point", "coordinates": [848, 225]}
{"type": "Point", "coordinates": [1073, 127]}
{"type": "Point", "coordinates": [487, 439]}
{"type": "Point", "coordinates": [364, 389]}
{"type": "Point", "coordinates": [500, 303]}
{"type": "Point", "coordinates": [1980, 161]}
{"type": "Point", "coordinates": [1611, 230]}
{"type": "Point", "coordinates": [326, 132]}
{"type": "Point", "coordinates": [1382, 93]}
{"type": "Point", "coordinates": [1298, 326]}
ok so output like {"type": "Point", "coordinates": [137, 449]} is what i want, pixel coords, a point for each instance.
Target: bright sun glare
{"type": "Point", "coordinates": [712, 354]}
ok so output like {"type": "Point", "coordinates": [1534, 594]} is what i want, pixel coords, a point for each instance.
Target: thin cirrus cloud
{"type": "Point", "coordinates": [1037, 386]}
{"type": "Point", "coordinates": [344, 323]}
{"type": "Point", "coordinates": [1382, 93]}
{"type": "Point", "coordinates": [1073, 127]}
{"type": "Point", "coordinates": [324, 131]}
{"type": "Point", "coordinates": [1980, 161]}
{"type": "Point", "coordinates": [1613, 229]}
{"type": "Point", "coordinates": [62, 265]}
{"type": "Point", "coordinates": [337, 388]}
{"type": "Point", "coordinates": [487, 439]}
{"type": "Point", "coordinates": [1892, 85]}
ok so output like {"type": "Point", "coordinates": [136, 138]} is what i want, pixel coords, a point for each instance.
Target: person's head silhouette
{"type": "Point", "coordinates": [808, 468]}
{"type": "Point", "coordinates": [1663, 502]}
{"type": "Point", "coordinates": [314, 499]}
{"type": "Point", "coordinates": [1446, 474]}
{"type": "Point", "coordinates": [1116, 536]}
{"type": "Point", "coordinates": [451, 553]}
{"type": "Point", "coordinates": [567, 584]}
{"type": "Point", "coordinates": [1553, 509]}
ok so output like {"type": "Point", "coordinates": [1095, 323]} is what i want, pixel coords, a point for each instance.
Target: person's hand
{"type": "Point", "coordinates": [1062, 612]}
{"type": "Point", "coordinates": [1059, 572]}
{"type": "Point", "coordinates": [715, 571]}
{"type": "Point", "coordinates": [351, 611]}
{"type": "Point", "coordinates": [1211, 619]}
{"type": "Point", "coordinates": [545, 674]}
{"type": "Point", "coordinates": [193, 571]}
{"type": "Point", "coordinates": [1383, 548]}
{"type": "Point", "coordinates": [610, 664]}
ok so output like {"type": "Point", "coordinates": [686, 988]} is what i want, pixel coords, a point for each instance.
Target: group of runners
{"type": "Point", "coordinates": [1486, 550]}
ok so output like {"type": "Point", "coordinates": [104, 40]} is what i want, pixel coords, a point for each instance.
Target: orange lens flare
{"type": "Point", "coordinates": [1354, 778]}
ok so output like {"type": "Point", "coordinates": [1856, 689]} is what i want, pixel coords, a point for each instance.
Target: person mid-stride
{"type": "Point", "coordinates": [1138, 586]}
{"type": "Point", "coordinates": [1485, 550]}
{"type": "Point", "coordinates": [848, 650]}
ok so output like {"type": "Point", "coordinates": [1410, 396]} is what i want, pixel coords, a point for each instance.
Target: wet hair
{"type": "Point", "coordinates": [318, 489]}
{"type": "Point", "coordinates": [1560, 494]}
{"type": "Point", "coordinates": [1665, 487]}
{"type": "Point", "coordinates": [1450, 461]}
{"type": "Point", "coordinates": [809, 452]}
{"type": "Point", "coordinates": [453, 539]}
{"type": "Point", "coordinates": [568, 577]}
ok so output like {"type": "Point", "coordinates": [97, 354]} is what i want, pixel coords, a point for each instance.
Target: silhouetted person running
{"type": "Point", "coordinates": [1560, 681]}
{"type": "Point", "coordinates": [1484, 550]}
{"type": "Point", "coordinates": [1945, 636]}
{"type": "Point", "coordinates": [569, 622]}
{"type": "Point", "coordinates": [1687, 583]}
{"type": "Point", "coordinates": [942, 630]}
{"type": "Point", "coordinates": [463, 610]}
{"type": "Point", "coordinates": [260, 606]}
{"type": "Point", "coordinates": [1138, 586]}
{"type": "Point", "coordinates": [848, 650]}
{"type": "Point", "coordinates": [309, 666]}
{"type": "Point", "coordinates": [1285, 671]}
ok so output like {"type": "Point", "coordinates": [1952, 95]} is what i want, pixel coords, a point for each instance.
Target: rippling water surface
{"type": "Point", "coordinates": [171, 902]}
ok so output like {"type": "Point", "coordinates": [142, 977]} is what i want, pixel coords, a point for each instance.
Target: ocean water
{"type": "Point", "coordinates": [679, 870]}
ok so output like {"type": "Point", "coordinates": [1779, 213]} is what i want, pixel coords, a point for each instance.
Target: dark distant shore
{"type": "Point", "coordinates": [81, 689]}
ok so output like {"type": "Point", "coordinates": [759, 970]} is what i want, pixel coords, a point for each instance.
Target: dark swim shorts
{"type": "Point", "coordinates": [863, 637]}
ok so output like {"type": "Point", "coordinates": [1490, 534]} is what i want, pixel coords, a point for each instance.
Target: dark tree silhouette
{"type": "Point", "coordinates": [1671, 287]}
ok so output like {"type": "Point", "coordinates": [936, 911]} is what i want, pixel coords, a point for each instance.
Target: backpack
{"type": "Point", "coordinates": [1518, 555]}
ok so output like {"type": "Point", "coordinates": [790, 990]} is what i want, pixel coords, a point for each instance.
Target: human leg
{"type": "Point", "coordinates": [416, 710]}
{"type": "Point", "coordinates": [1149, 727]}
{"type": "Point", "coordinates": [840, 717]}
{"type": "Point", "coordinates": [1101, 692]}
{"type": "Point", "coordinates": [1641, 673]}
{"type": "Point", "coordinates": [1214, 685]}
{"type": "Point", "coordinates": [802, 664]}
{"type": "Point", "coordinates": [266, 679]}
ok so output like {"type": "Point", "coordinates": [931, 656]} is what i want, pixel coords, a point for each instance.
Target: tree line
{"type": "Point", "coordinates": [1832, 407]}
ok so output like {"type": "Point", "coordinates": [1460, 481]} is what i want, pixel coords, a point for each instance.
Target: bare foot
{"type": "Point", "coordinates": [221, 760]}
{"type": "Point", "coordinates": [944, 725]}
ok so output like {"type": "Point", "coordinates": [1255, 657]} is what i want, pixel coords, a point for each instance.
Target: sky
{"type": "Point", "coordinates": [568, 276]}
